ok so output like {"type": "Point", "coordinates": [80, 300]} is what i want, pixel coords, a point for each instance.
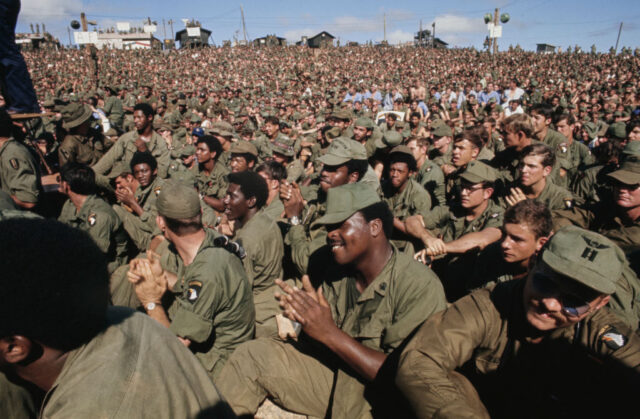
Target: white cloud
{"type": "Point", "coordinates": [399, 36]}
{"type": "Point", "coordinates": [49, 10]}
{"type": "Point", "coordinates": [453, 24]}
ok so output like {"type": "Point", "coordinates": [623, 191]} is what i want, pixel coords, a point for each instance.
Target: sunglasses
{"type": "Point", "coordinates": [572, 306]}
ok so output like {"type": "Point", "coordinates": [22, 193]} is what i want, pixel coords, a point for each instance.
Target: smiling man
{"type": "Point", "coordinates": [545, 342]}
{"type": "Point", "coordinates": [367, 301]}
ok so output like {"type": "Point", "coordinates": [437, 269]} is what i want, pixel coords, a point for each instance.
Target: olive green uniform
{"type": "Point", "coordinates": [117, 159]}
{"type": "Point", "coordinates": [262, 241]}
{"type": "Point", "coordinates": [431, 177]}
{"type": "Point", "coordinates": [141, 228]}
{"type": "Point", "coordinates": [412, 200]}
{"type": "Point", "coordinates": [213, 305]}
{"type": "Point", "coordinates": [215, 184]}
{"type": "Point", "coordinates": [114, 111]}
{"type": "Point", "coordinates": [80, 149]}
{"type": "Point", "coordinates": [295, 171]}
{"type": "Point", "coordinates": [488, 328]}
{"type": "Point", "coordinates": [307, 237]}
{"type": "Point", "coordinates": [98, 219]}
{"type": "Point", "coordinates": [301, 378]}
{"type": "Point", "coordinates": [19, 174]}
{"type": "Point", "coordinates": [553, 196]}
{"type": "Point", "coordinates": [134, 368]}
{"type": "Point", "coordinates": [275, 209]}
{"type": "Point", "coordinates": [605, 219]}
{"type": "Point", "coordinates": [441, 159]}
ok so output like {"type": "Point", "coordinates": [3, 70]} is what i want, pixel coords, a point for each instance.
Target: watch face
{"type": "Point", "coordinates": [151, 306]}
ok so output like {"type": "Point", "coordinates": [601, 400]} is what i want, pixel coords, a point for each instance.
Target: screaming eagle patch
{"type": "Point", "coordinates": [612, 338]}
{"type": "Point", "coordinates": [193, 291]}
{"type": "Point", "coordinates": [92, 219]}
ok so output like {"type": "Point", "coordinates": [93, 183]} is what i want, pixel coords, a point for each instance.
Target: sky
{"type": "Point", "coordinates": [458, 22]}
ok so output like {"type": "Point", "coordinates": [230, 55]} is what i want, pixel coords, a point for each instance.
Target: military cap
{"type": "Point", "coordinates": [75, 114]}
{"type": "Point", "coordinates": [333, 133]}
{"type": "Point", "coordinates": [632, 148]}
{"type": "Point", "coordinates": [344, 201]}
{"type": "Point", "coordinates": [49, 103]}
{"type": "Point", "coordinates": [165, 127]}
{"type": "Point", "coordinates": [492, 100]}
{"type": "Point", "coordinates": [442, 130]}
{"type": "Point", "coordinates": [186, 151]}
{"type": "Point", "coordinates": [342, 150]}
{"type": "Point", "coordinates": [628, 173]}
{"type": "Point", "coordinates": [178, 201]}
{"type": "Point", "coordinates": [195, 119]}
{"type": "Point", "coordinates": [285, 123]}
{"type": "Point", "coordinates": [390, 138]}
{"type": "Point", "coordinates": [477, 172]}
{"type": "Point", "coordinates": [243, 147]}
{"type": "Point", "coordinates": [283, 146]}
{"type": "Point", "coordinates": [399, 124]}
{"type": "Point", "coordinates": [584, 256]}
{"type": "Point", "coordinates": [182, 102]}
{"type": "Point", "coordinates": [343, 114]}
{"type": "Point", "coordinates": [617, 130]}
{"type": "Point", "coordinates": [591, 129]}
{"type": "Point", "coordinates": [364, 123]}
{"type": "Point", "coordinates": [402, 149]}
{"type": "Point", "coordinates": [223, 126]}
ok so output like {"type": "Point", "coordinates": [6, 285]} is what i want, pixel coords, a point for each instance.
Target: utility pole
{"type": "Point", "coordinates": [618, 40]}
{"type": "Point", "coordinates": [244, 27]}
{"type": "Point", "coordinates": [433, 34]}
{"type": "Point", "coordinates": [83, 21]}
{"type": "Point", "coordinates": [495, 24]}
{"type": "Point", "coordinates": [420, 34]}
{"type": "Point", "coordinates": [69, 33]}
{"type": "Point", "coordinates": [385, 27]}
{"type": "Point", "coordinates": [164, 31]}
{"type": "Point", "coordinates": [171, 25]}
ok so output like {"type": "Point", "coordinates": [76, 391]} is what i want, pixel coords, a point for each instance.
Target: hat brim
{"type": "Point", "coordinates": [79, 121]}
{"type": "Point", "coordinates": [625, 176]}
{"type": "Point", "coordinates": [473, 178]}
{"type": "Point", "coordinates": [331, 160]}
{"type": "Point", "coordinates": [579, 273]}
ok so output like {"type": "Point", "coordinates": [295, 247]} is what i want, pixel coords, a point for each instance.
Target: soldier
{"type": "Point", "coordinates": [113, 107]}
{"type": "Point", "coordinates": [85, 210]}
{"type": "Point", "coordinates": [210, 179]}
{"type": "Point", "coordinates": [368, 300]}
{"type": "Point", "coordinates": [142, 139]}
{"type": "Point", "coordinates": [579, 155]}
{"type": "Point", "coordinates": [19, 174]}
{"type": "Point", "coordinates": [441, 151]}
{"type": "Point", "coordinates": [525, 338]}
{"type": "Point", "coordinates": [83, 143]}
{"type": "Point", "coordinates": [75, 348]}
{"type": "Point", "coordinates": [404, 196]}
{"type": "Point", "coordinates": [137, 208]}
{"type": "Point", "coordinates": [210, 309]}
{"type": "Point", "coordinates": [273, 173]}
{"type": "Point", "coordinates": [244, 156]}
{"type": "Point", "coordinates": [619, 220]}
{"type": "Point", "coordinates": [344, 162]}
{"type": "Point", "coordinates": [537, 161]}
{"type": "Point", "coordinates": [260, 236]}
{"type": "Point", "coordinates": [429, 174]}
{"type": "Point", "coordinates": [466, 148]}
{"type": "Point", "coordinates": [366, 133]}
{"type": "Point", "coordinates": [464, 229]}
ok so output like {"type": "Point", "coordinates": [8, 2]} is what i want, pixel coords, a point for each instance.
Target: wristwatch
{"type": "Point", "coordinates": [294, 221]}
{"type": "Point", "coordinates": [150, 306]}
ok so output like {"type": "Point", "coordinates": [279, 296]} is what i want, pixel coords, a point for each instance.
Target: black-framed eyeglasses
{"type": "Point", "coordinates": [572, 306]}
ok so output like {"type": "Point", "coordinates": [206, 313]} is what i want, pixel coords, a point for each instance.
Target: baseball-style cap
{"type": "Point", "coordinates": [584, 256]}
{"type": "Point", "coordinates": [631, 149]}
{"type": "Point", "coordinates": [364, 123]}
{"type": "Point", "coordinates": [617, 130]}
{"type": "Point", "coordinates": [243, 147]}
{"type": "Point", "coordinates": [342, 150]}
{"type": "Point", "coordinates": [342, 114]}
{"type": "Point", "coordinates": [628, 173]}
{"type": "Point", "coordinates": [390, 138]}
{"type": "Point", "coordinates": [477, 172]}
{"type": "Point", "coordinates": [283, 146]}
{"type": "Point", "coordinates": [402, 149]}
{"type": "Point", "coordinates": [344, 201]}
{"type": "Point", "coordinates": [178, 201]}
{"type": "Point", "coordinates": [441, 130]}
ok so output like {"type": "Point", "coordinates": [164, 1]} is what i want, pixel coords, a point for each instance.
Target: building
{"type": "Point", "coordinates": [193, 36]}
{"type": "Point", "coordinates": [545, 48]}
{"type": "Point", "coordinates": [322, 40]}
{"type": "Point", "coordinates": [120, 40]}
{"type": "Point", "coordinates": [34, 41]}
{"type": "Point", "coordinates": [270, 41]}
{"type": "Point", "coordinates": [424, 38]}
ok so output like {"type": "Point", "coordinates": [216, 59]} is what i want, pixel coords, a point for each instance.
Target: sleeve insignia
{"type": "Point", "coordinates": [495, 215]}
{"type": "Point", "coordinates": [157, 190]}
{"type": "Point", "coordinates": [194, 291]}
{"type": "Point", "coordinates": [613, 339]}
{"type": "Point", "coordinates": [92, 219]}
{"type": "Point", "coordinates": [568, 203]}
{"type": "Point", "coordinates": [563, 147]}
{"type": "Point", "coordinates": [14, 164]}
{"type": "Point", "coordinates": [429, 169]}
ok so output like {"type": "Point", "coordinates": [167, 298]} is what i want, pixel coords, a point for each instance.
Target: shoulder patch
{"type": "Point", "coordinates": [610, 336]}
{"type": "Point", "coordinates": [193, 291]}
{"type": "Point", "coordinates": [429, 169]}
{"type": "Point", "coordinates": [568, 203]}
{"type": "Point", "coordinates": [494, 215]}
{"type": "Point", "coordinates": [563, 147]}
{"type": "Point", "coordinates": [157, 190]}
{"type": "Point", "coordinates": [92, 219]}
{"type": "Point", "coordinates": [14, 163]}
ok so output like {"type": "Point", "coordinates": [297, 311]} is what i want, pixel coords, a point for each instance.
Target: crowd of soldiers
{"type": "Point", "coordinates": [352, 232]}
